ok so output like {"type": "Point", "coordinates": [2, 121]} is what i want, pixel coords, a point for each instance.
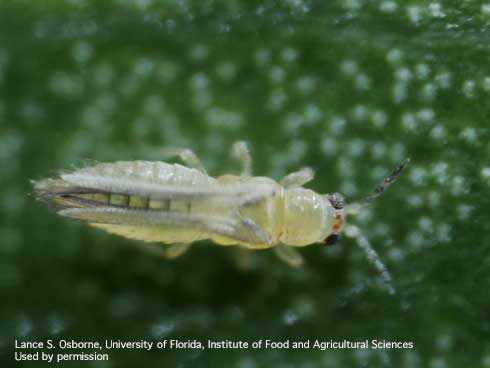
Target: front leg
{"type": "Point", "coordinates": [240, 152]}
{"type": "Point", "coordinates": [298, 178]}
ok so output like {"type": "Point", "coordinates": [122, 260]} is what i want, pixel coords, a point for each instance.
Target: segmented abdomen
{"type": "Point", "coordinates": [65, 193]}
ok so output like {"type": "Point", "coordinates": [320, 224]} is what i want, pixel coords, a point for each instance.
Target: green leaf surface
{"type": "Point", "coordinates": [349, 88]}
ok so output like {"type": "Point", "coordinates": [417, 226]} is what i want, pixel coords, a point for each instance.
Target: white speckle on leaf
{"type": "Point", "coordinates": [349, 67]}
{"type": "Point", "coordinates": [362, 82]}
{"type": "Point", "coordinates": [425, 115]}
{"type": "Point", "coordinates": [359, 113]}
{"type": "Point", "coordinates": [434, 199]}
{"type": "Point", "coordinates": [394, 56]}
{"type": "Point", "coordinates": [328, 146]}
{"type": "Point", "coordinates": [143, 4]}
{"type": "Point", "coordinates": [436, 10]}
{"type": "Point", "coordinates": [469, 88]}
{"type": "Point", "coordinates": [469, 135]}
{"type": "Point", "coordinates": [438, 132]}
{"type": "Point", "coordinates": [143, 67]}
{"type": "Point", "coordinates": [485, 10]}
{"type": "Point", "coordinates": [345, 167]}
{"type": "Point", "coordinates": [305, 85]}
{"type": "Point", "coordinates": [403, 74]}
{"type": "Point", "coordinates": [486, 84]}
{"type": "Point", "coordinates": [396, 255]}
{"type": "Point", "coordinates": [277, 74]}
{"type": "Point", "coordinates": [355, 147]}
{"type": "Point", "coordinates": [64, 84]}
{"type": "Point", "coordinates": [485, 361]}
{"type": "Point", "coordinates": [399, 92]}
{"type": "Point", "coordinates": [485, 174]}
{"type": "Point", "coordinates": [277, 100]}
{"type": "Point", "coordinates": [415, 200]}
{"type": "Point", "coordinates": [443, 233]}
{"type": "Point", "coordinates": [289, 317]}
{"type": "Point", "coordinates": [439, 172]}
{"type": "Point", "coordinates": [422, 71]}
{"type": "Point", "coordinates": [414, 13]}
{"type": "Point", "coordinates": [438, 362]}
{"type": "Point", "coordinates": [428, 91]}
{"type": "Point", "coordinates": [409, 121]}
{"type": "Point", "coordinates": [398, 152]}
{"type": "Point", "coordinates": [221, 118]}
{"type": "Point", "coordinates": [352, 5]}
{"type": "Point", "coordinates": [464, 211]}
{"type": "Point", "coordinates": [199, 52]}
{"type": "Point", "coordinates": [337, 125]}
{"type": "Point", "coordinates": [458, 185]}
{"type": "Point", "coordinates": [23, 326]}
{"type": "Point", "coordinates": [443, 80]}
{"type": "Point", "coordinates": [416, 239]}
{"type": "Point", "coordinates": [82, 51]}
{"type": "Point", "coordinates": [293, 122]}
{"type": "Point", "coordinates": [388, 6]}
{"type": "Point", "coordinates": [289, 55]}
{"type": "Point", "coordinates": [199, 81]}
{"type": "Point", "coordinates": [312, 113]}
{"type": "Point", "coordinates": [378, 118]}
{"type": "Point", "coordinates": [378, 150]}
{"type": "Point", "coordinates": [162, 328]}
{"type": "Point", "coordinates": [425, 224]}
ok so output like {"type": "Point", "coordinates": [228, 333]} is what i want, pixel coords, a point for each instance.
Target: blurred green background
{"type": "Point", "coordinates": [349, 88]}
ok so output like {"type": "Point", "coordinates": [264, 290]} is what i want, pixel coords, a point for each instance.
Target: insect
{"type": "Point", "coordinates": [157, 202]}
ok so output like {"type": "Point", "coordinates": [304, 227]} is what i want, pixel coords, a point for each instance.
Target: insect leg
{"type": "Point", "coordinates": [298, 178]}
{"type": "Point", "coordinates": [170, 251]}
{"type": "Point", "coordinates": [240, 152]}
{"type": "Point", "coordinates": [186, 155]}
{"type": "Point", "coordinates": [176, 250]}
{"type": "Point", "coordinates": [289, 255]}
{"type": "Point", "coordinates": [243, 259]}
{"type": "Point", "coordinates": [353, 231]}
{"type": "Point", "coordinates": [151, 248]}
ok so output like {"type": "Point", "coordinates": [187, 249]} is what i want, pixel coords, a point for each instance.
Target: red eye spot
{"type": "Point", "coordinates": [336, 226]}
{"type": "Point", "coordinates": [338, 216]}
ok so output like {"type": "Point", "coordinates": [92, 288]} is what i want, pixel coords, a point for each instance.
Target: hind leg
{"type": "Point", "coordinates": [176, 250]}
{"type": "Point", "coordinates": [240, 152]}
{"type": "Point", "coordinates": [186, 155]}
{"type": "Point", "coordinates": [170, 251]}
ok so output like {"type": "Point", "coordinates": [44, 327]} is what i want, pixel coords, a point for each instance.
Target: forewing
{"type": "Point", "coordinates": [236, 193]}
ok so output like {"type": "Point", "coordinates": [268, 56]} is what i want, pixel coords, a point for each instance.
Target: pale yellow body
{"type": "Point", "coordinates": [295, 216]}
{"type": "Point", "coordinates": [178, 205]}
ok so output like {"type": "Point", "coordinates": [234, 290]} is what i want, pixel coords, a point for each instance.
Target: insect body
{"type": "Point", "coordinates": [175, 204]}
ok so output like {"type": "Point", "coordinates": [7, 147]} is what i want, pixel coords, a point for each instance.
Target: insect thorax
{"type": "Point", "coordinates": [308, 217]}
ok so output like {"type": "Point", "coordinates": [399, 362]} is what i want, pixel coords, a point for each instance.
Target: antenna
{"type": "Point", "coordinates": [353, 208]}
{"type": "Point", "coordinates": [380, 188]}
{"type": "Point", "coordinates": [373, 257]}
{"type": "Point", "coordinates": [354, 232]}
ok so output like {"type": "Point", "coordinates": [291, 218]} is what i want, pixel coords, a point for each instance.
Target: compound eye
{"type": "Point", "coordinates": [336, 200]}
{"type": "Point", "coordinates": [332, 239]}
